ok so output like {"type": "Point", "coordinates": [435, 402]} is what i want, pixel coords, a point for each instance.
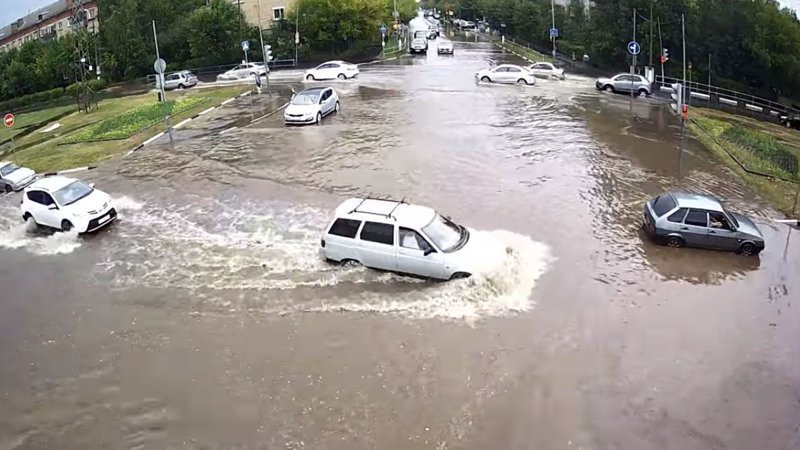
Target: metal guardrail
{"type": "Point", "coordinates": [717, 96]}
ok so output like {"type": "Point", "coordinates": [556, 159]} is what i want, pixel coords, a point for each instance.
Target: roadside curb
{"type": "Point", "coordinates": [185, 121]}
{"type": "Point", "coordinates": [64, 172]}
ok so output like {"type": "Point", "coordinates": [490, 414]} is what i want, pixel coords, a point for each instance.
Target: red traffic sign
{"type": "Point", "coordinates": [8, 120]}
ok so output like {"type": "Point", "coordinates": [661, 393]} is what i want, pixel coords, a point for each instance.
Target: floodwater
{"type": "Point", "coordinates": [204, 318]}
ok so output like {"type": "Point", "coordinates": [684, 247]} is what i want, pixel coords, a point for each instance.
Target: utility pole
{"type": "Point", "coordinates": [651, 33]}
{"type": "Point", "coordinates": [683, 35]}
{"type": "Point", "coordinates": [709, 76]}
{"type": "Point", "coordinates": [261, 37]}
{"type": "Point", "coordinates": [553, 38]}
{"type": "Point", "coordinates": [661, 50]}
{"type": "Point", "coordinates": [633, 55]}
{"type": "Point", "coordinates": [163, 93]}
{"type": "Point", "coordinates": [296, 32]}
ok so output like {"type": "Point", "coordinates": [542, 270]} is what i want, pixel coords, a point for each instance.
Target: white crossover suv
{"type": "Point", "coordinates": [399, 237]}
{"type": "Point", "coordinates": [66, 204]}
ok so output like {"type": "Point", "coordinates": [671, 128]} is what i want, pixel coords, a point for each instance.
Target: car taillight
{"type": "Point", "coordinates": [322, 243]}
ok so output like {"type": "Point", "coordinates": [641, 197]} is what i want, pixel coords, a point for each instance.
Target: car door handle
{"type": "Point", "coordinates": [685, 228]}
{"type": "Point", "coordinates": [712, 232]}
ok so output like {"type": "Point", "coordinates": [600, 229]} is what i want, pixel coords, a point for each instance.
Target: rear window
{"type": "Point", "coordinates": [663, 204]}
{"type": "Point", "coordinates": [382, 233]}
{"type": "Point", "coordinates": [677, 216]}
{"type": "Point", "coordinates": [345, 228]}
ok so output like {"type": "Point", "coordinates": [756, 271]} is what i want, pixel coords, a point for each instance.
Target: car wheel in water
{"type": "Point", "coordinates": [642, 92]}
{"type": "Point", "coordinates": [522, 81]}
{"type": "Point", "coordinates": [310, 77]}
{"type": "Point", "coordinates": [459, 276]}
{"type": "Point", "coordinates": [675, 242]}
{"type": "Point", "coordinates": [350, 264]}
{"type": "Point", "coordinates": [28, 218]}
{"type": "Point", "coordinates": [608, 87]}
{"type": "Point", "coordinates": [181, 87]}
{"type": "Point", "coordinates": [319, 118]}
{"type": "Point", "coordinates": [337, 107]}
{"type": "Point", "coordinates": [486, 79]}
{"type": "Point", "coordinates": [66, 225]}
{"type": "Point", "coordinates": [748, 249]}
{"type": "Point", "coordinates": [8, 189]}
{"type": "Point", "coordinates": [342, 76]}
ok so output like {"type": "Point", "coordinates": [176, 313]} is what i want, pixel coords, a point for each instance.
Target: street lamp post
{"type": "Point", "coordinates": [296, 33]}
{"type": "Point", "coordinates": [553, 13]}
{"type": "Point", "coordinates": [261, 37]}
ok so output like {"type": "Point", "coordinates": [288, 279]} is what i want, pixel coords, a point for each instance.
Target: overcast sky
{"type": "Point", "coordinates": [11, 10]}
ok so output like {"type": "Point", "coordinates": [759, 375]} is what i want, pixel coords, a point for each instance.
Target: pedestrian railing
{"type": "Point", "coordinates": [721, 98]}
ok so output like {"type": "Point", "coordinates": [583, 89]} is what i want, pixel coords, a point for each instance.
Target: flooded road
{"type": "Point", "coordinates": [204, 318]}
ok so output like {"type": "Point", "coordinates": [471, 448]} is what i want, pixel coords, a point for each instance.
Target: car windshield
{"type": "Point", "coordinates": [444, 233]}
{"type": "Point", "coordinates": [733, 218]}
{"type": "Point", "coordinates": [72, 192]}
{"type": "Point", "coordinates": [7, 169]}
{"type": "Point", "coordinates": [305, 99]}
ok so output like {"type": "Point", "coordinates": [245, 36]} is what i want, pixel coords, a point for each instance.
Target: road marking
{"type": "Point", "coordinates": [228, 101]}
{"type": "Point", "coordinates": [269, 113]}
{"type": "Point", "coordinates": [207, 110]}
{"type": "Point", "coordinates": [182, 123]}
{"type": "Point", "coordinates": [229, 129]}
{"type": "Point", "coordinates": [244, 94]}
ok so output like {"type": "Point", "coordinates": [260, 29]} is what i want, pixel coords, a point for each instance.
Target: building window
{"type": "Point", "coordinates": [277, 13]}
{"type": "Point", "coordinates": [60, 24]}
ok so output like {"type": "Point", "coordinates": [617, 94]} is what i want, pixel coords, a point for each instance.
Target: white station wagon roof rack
{"type": "Point", "coordinates": [388, 215]}
{"type": "Point", "coordinates": [398, 211]}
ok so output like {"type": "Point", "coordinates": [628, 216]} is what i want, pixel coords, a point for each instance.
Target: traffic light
{"type": "Point", "coordinates": [664, 55]}
{"type": "Point", "coordinates": [268, 53]}
{"type": "Point", "coordinates": [677, 97]}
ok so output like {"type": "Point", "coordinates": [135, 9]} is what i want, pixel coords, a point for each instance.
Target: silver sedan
{"type": "Point", "coordinates": [625, 82]}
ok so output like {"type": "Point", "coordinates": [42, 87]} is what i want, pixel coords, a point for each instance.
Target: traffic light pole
{"type": "Point", "coordinates": [261, 37]}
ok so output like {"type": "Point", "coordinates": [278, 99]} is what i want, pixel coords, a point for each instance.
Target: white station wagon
{"type": "Point", "coordinates": [398, 237]}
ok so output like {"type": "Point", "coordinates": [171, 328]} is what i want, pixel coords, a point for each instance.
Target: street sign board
{"type": "Point", "coordinates": [160, 65]}
{"type": "Point", "coordinates": [296, 37]}
{"type": "Point", "coordinates": [383, 29]}
{"type": "Point", "coordinates": [8, 120]}
{"type": "Point", "coordinates": [245, 45]}
{"type": "Point", "coordinates": [634, 48]}
{"type": "Point", "coordinates": [553, 32]}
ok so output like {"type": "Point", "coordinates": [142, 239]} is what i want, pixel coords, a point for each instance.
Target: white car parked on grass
{"type": "Point", "coordinates": [506, 73]}
{"type": "Point", "coordinates": [399, 237]}
{"type": "Point", "coordinates": [243, 71]}
{"type": "Point", "coordinates": [311, 105]}
{"type": "Point", "coordinates": [332, 70]}
{"type": "Point", "coordinates": [66, 204]}
{"type": "Point", "coordinates": [546, 70]}
{"type": "Point", "coordinates": [13, 177]}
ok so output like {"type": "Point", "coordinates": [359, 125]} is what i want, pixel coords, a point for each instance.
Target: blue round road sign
{"type": "Point", "coordinates": [634, 48]}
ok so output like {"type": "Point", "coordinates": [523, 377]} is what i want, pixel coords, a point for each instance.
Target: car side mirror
{"type": "Point", "coordinates": [52, 206]}
{"type": "Point", "coordinates": [429, 251]}
{"type": "Point", "coordinates": [91, 185]}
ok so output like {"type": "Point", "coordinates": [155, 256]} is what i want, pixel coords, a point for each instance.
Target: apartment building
{"type": "Point", "coordinates": [271, 10]}
{"type": "Point", "coordinates": [50, 22]}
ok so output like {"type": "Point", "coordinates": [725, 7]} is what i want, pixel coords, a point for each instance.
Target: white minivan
{"type": "Point", "coordinates": [398, 237]}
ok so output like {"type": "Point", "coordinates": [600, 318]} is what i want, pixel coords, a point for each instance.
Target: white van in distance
{"type": "Point", "coordinates": [398, 237]}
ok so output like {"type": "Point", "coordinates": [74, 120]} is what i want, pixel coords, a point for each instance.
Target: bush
{"type": "Point", "coordinates": [765, 147]}
{"type": "Point", "coordinates": [32, 99]}
{"type": "Point", "coordinates": [127, 124]}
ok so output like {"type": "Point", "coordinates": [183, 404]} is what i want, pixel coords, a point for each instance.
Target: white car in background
{"type": "Point", "coordinates": [332, 70]}
{"type": "Point", "coordinates": [67, 204]}
{"type": "Point", "coordinates": [546, 70]}
{"type": "Point", "coordinates": [444, 46]}
{"type": "Point", "coordinates": [399, 237]}
{"type": "Point", "coordinates": [178, 80]}
{"type": "Point", "coordinates": [243, 71]}
{"type": "Point", "coordinates": [14, 178]}
{"type": "Point", "coordinates": [506, 73]}
{"type": "Point", "coordinates": [311, 105]}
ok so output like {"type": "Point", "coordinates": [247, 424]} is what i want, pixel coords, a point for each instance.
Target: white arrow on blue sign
{"type": "Point", "coordinates": [553, 32]}
{"type": "Point", "coordinates": [634, 48]}
{"type": "Point", "coordinates": [383, 29]}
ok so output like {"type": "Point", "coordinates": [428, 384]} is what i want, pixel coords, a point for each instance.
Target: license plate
{"type": "Point", "coordinates": [104, 219]}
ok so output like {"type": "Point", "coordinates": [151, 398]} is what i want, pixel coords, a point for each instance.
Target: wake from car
{"type": "Point", "coordinates": [25, 235]}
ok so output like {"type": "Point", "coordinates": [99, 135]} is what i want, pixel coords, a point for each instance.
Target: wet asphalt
{"type": "Point", "coordinates": [204, 318]}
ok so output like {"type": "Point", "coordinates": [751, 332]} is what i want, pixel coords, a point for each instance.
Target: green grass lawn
{"type": "Point", "coordinates": [49, 156]}
{"type": "Point", "coordinates": [754, 143]}
{"type": "Point", "coordinates": [28, 119]}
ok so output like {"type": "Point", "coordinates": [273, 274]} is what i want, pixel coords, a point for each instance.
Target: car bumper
{"type": "Point", "coordinates": [298, 120]}
{"type": "Point", "coordinates": [445, 50]}
{"type": "Point", "coordinates": [101, 221]}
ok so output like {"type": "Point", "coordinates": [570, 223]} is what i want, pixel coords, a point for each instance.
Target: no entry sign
{"type": "Point", "coordinates": [8, 120]}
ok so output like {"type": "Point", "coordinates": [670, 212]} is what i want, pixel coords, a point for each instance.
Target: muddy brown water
{"type": "Point", "coordinates": [204, 318]}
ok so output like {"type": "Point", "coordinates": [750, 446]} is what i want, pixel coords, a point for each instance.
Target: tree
{"type": "Point", "coordinates": [214, 38]}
